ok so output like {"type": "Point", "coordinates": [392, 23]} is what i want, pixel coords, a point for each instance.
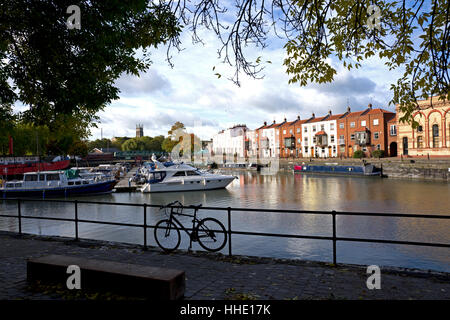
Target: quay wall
{"type": "Point", "coordinates": [438, 170]}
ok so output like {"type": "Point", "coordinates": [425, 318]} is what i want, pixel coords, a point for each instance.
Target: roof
{"type": "Point", "coordinates": [378, 111]}
{"type": "Point", "coordinates": [358, 113]}
{"type": "Point", "coordinates": [317, 119]}
{"type": "Point", "coordinates": [298, 121]}
{"type": "Point", "coordinates": [321, 133]}
{"type": "Point", "coordinates": [288, 123]}
{"type": "Point", "coordinates": [337, 116]}
{"type": "Point", "coordinates": [262, 127]}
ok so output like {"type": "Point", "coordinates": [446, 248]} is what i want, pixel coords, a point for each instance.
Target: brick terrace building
{"type": "Point", "coordinates": [287, 139]}
{"type": "Point", "coordinates": [365, 130]}
{"type": "Point", "coordinates": [297, 129]}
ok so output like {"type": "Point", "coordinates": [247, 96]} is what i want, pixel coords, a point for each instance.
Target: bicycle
{"type": "Point", "coordinates": [208, 232]}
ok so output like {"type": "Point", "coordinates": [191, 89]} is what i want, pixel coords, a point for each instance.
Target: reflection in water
{"type": "Point", "coordinates": [281, 191]}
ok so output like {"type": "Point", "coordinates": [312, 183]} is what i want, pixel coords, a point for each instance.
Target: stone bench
{"type": "Point", "coordinates": [108, 276]}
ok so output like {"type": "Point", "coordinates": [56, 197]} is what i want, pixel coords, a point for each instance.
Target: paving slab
{"type": "Point", "coordinates": [216, 276]}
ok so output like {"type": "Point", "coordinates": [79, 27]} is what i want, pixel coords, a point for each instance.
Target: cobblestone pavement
{"type": "Point", "coordinates": [214, 276]}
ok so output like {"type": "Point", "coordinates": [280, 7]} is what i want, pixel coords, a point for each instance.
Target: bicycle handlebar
{"type": "Point", "coordinates": [196, 207]}
{"type": "Point", "coordinates": [170, 204]}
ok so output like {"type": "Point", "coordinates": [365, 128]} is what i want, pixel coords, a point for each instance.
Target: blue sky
{"type": "Point", "coordinates": [192, 93]}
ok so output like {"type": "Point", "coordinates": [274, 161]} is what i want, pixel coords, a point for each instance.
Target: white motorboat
{"type": "Point", "coordinates": [182, 177]}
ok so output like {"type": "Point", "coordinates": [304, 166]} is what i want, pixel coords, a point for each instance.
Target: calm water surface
{"type": "Point", "coordinates": [281, 191]}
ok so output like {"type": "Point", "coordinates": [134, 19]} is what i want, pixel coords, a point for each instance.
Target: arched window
{"type": "Point", "coordinates": [405, 146]}
{"type": "Point", "coordinates": [419, 142]}
{"type": "Point", "coordinates": [435, 130]}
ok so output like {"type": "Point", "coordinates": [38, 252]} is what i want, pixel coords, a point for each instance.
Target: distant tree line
{"type": "Point", "coordinates": [69, 139]}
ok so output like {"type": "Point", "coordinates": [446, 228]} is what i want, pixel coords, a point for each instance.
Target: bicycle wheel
{"type": "Point", "coordinates": [211, 234]}
{"type": "Point", "coordinates": [167, 236]}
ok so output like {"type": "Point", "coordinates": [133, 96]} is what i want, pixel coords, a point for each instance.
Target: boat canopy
{"type": "Point", "coordinates": [72, 173]}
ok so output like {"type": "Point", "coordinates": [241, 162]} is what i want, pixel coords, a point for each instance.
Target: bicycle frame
{"type": "Point", "coordinates": [179, 224]}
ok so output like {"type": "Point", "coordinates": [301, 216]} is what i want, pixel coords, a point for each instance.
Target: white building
{"type": "Point", "coordinates": [230, 142]}
{"type": "Point", "coordinates": [251, 143]}
{"type": "Point", "coordinates": [319, 137]}
{"type": "Point", "coordinates": [270, 140]}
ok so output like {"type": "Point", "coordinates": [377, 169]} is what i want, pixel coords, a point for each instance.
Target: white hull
{"type": "Point", "coordinates": [187, 184]}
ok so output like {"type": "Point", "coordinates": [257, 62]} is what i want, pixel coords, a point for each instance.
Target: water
{"type": "Point", "coordinates": [280, 191]}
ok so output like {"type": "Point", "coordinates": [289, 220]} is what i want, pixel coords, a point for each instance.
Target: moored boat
{"type": "Point", "coordinates": [55, 183]}
{"type": "Point", "coordinates": [182, 177]}
{"type": "Point", "coordinates": [362, 170]}
{"type": "Point", "coordinates": [12, 166]}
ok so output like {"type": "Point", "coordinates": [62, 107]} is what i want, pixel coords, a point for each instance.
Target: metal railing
{"type": "Point", "coordinates": [334, 238]}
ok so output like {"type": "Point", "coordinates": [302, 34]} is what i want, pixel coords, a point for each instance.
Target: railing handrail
{"type": "Point", "coordinates": [229, 210]}
{"type": "Point", "coordinates": [347, 213]}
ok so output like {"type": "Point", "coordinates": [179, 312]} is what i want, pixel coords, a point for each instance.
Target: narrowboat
{"type": "Point", "coordinates": [362, 170]}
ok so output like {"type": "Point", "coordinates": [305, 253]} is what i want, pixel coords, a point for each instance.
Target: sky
{"type": "Point", "coordinates": [190, 92]}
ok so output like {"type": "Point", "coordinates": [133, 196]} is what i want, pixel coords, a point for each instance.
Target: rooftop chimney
{"type": "Point", "coordinates": [265, 123]}
{"type": "Point", "coordinates": [348, 109]}
{"type": "Point", "coordinates": [370, 106]}
{"type": "Point", "coordinates": [274, 122]}
{"type": "Point", "coordinates": [298, 117]}
{"type": "Point", "coordinates": [313, 115]}
{"type": "Point", "coordinates": [329, 112]}
{"type": "Point", "coordinates": [284, 119]}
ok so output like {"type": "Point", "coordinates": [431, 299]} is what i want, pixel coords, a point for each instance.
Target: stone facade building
{"type": "Point", "coordinates": [432, 136]}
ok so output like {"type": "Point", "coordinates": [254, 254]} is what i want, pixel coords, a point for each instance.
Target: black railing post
{"type": "Point", "coordinates": [333, 213]}
{"type": "Point", "coordinates": [76, 220]}
{"type": "Point", "coordinates": [145, 226]}
{"type": "Point", "coordinates": [229, 231]}
{"type": "Point", "coordinates": [19, 213]}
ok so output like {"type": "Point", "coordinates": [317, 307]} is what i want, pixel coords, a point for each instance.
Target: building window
{"type": "Point", "coordinates": [375, 122]}
{"type": "Point", "coordinates": [393, 130]}
{"type": "Point", "coordinates": [290, 131]}
{"type": "Point", "coordinates": [419, 142]}
{"type": "Point", "coordinates": [306, 149]}
{"type": "Point", "coordinates": [314, 139]}
{"type": "Point", "coordinates": [332, 138]}
{"type": "Point", "coordinates": [363, 123]}
{"type": "Point", "coordinates": [378, 147]}
{"type": "Point", "coordinates": [375, 135]}
{"type": "Point", "coordinates": [306, 129]}
{"type": "Point", "coordinates": [331, 126]}
{"type": "Point", "coordinates": [352, 136]}
{"type": "Point", "coordinates": [322, 127]}
{"type": "Point", "coordinates": [314, 128]}
{"type": "Point", "coordinates": [352, 124]}
{"type": "Point", "coordinates": [298, 130]}
{"type": "Point", "coordinates": [284, 131]}
{"type": "Point", "coordinates": [435, 136]}
{"type": "Point", "coordinates": [299, 141]}
{"type": "Point", "coordinates": [306, 140]}
{"type": "Point", "coordinates": [334, 149]}
{"type": "Point", "coordinates": [341, 125]}
{"type": "Point", "coordinates": [419, 129]}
